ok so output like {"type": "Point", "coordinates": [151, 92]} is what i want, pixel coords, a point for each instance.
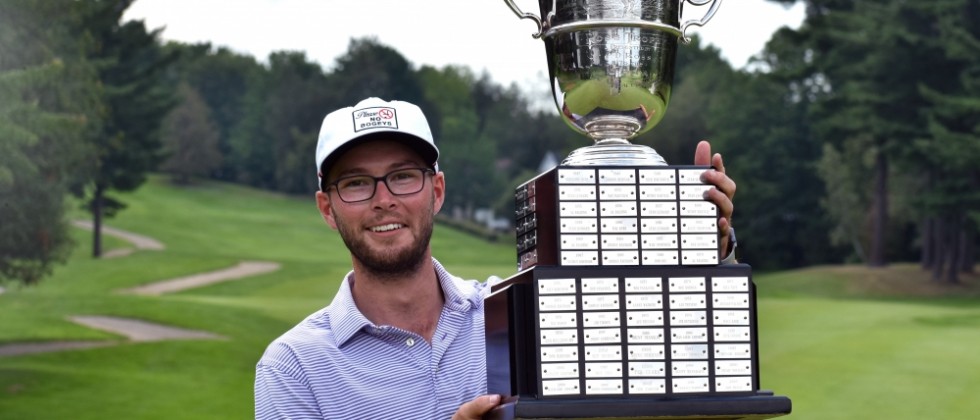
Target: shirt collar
{"type": "Point", "coordinates": [346, 320]}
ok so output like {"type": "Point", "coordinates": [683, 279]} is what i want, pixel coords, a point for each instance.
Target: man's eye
{"type": "Point", "coordinates": [354, 183]}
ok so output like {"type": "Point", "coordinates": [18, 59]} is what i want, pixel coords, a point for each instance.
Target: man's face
{"type": "Point", "coordinates": [386, 234]}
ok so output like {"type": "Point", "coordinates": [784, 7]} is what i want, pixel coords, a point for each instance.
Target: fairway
{"type": "Point", "coordinates": [838, 351]}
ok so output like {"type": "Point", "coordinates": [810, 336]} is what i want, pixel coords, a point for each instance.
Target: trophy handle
{"type": "Point", "coordinates": [697, 22]}
{"type": "Point", "coordinates": [517, 11]}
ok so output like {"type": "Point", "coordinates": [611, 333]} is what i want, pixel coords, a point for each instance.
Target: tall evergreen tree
{"type": "Point", "coordinates": [49, 102]}
{"type": "Point", "coordinates": [138, 97]}
{"type": "Point", "coordinates": [951, 199]}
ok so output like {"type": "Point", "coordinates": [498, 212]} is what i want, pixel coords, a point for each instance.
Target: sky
{"type": "Point", "coordinates": [484, 35]}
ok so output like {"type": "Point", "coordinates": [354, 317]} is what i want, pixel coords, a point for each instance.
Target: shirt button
{"type": "Point", "coordinates": [410, 342]}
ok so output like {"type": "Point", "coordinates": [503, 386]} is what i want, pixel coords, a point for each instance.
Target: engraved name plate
{"type": "Point", "coordinates": [730, 284]}
{"type": "Point", "coordinates": [731, 317]}
{"type": "Point", "coordinates": [576, 192]}
{"type": "Point", "coordinates": [558, 320]}
{"type": "Point", "coordinates": [689, 176]}
{"type": "Point", "coordinates": [732, 334]}
{"type": "Point", "coordinates": [621, 258]}
{"type": "Point", "coordinates": [559, 354]}
{"type": "Point", "coordinates": [618, 241]}
{"type": "Point", "coordinates": [617, 176]}
{"type": "Point", "coordinates": [733, 351]}
{"type": "Point", "coordinates": [685, 385]}
{"type": "Point", "coordinates": [560, 387]}
{"type": "Point", "coordinates": [689, 351]}
{"type": "Point", "coordinates": [730, 300]}
{"type": "Point", "coordinates": [617, 192]}
{"type": "Point", "coordinates": [733, 384]}
{"type": "Point", "coordinates": [659, 241]}
{"type": "Point", "coordinates": [556, 286]}
{"type": "Point", "coordinates": [559, 370]}
{"type": "Point", "coordinates": [600, 302]}
{"type": "Point", "coordinates": [601, 335]}
{"type": "Point", "coordinates": [618, 209]}
{"type": "Point", "coordinates": [600, 285]}
{"type": "Point", "coordinates": [643, 284]}
{"type": "Point", "coordinates": [577, 209]}
{"type": "Point", "coordinates": [648, 386]}
{"type": "Point", "coordinates": [580, 242]}
{"type": "Point", "coordinates": [580, 258]}
{"type": "Point", "coordinates": [646, 352]}
{"type": "Point", "coordinates": [694, 301]}
{"type": "Point", "coordinates": [658, 209]}
{"type": "Point", "coordinates": [693, 192]}
{"type": "Point", "coordinates": [689, 369]}
{"type": "Point", "coordinates": [705, 257]}
{"type": "Point", "coordinates": [688, 318]}
{"type": "Point", "coordinates": [699, 225]}
{"type": "Point", "coordinates": [604, 370]}
{"type": "Point", "coordinates": [644, 318]}
{"type": "Point", "coordinates": [634, 302]}
{"type": "Point", "coordinates": [689, 335]}
{"type": "Point", "coordinates": [658, 176]}
{"type": "Point", "coordinates": [658, 192]}
{"type": "Point", "coordinates": [619, 225]}
{"type": "Point", "coordinates": [603, 353]}
{"type": "Point", "coordinates": [698, 208]}
{"type": "Point", "coordinates": [645, 335]}
{"type": "Point", "coordinates": [733, 367]}
{"type": "Point", "coordinates": [658, 225]}
{"type": "Point", "coordinates": [584, 225]}
{"type": "Point", "coordinates": [603, 386]}
{"type": "Point", "coordinates": [660, 257]}
{"type": "Point", "coordinates": [556, 303]}
{"type": "Point", "coordinates": [654, 369]}
{"type": "Point", "coordinates": [686, 284]}
{"type": "Point", "coordinates": [699, 240]}
{"type": "Point", "coordinates": [576, 176]}
{"type": "Point", "coordinates": [600, 319]}
{"type": "Point", "coordinates": [553, 337]}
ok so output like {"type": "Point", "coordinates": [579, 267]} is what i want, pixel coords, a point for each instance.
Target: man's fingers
{"type": "Point", "coordinates": [702, 155]}
{"type": "Point", "coordinates": [718, 163]}
{"type": "Point", "coordinates": [474, 410]}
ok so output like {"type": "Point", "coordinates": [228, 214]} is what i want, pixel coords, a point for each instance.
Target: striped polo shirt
{"type": "Point", "coordinates": [338, 365]}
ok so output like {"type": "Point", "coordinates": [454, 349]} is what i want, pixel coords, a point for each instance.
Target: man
{"type": "Point", "coordinates": [402, 338]}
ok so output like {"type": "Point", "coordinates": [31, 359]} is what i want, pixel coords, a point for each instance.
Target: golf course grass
{"type": "Point", "coordinates": [841, 342]}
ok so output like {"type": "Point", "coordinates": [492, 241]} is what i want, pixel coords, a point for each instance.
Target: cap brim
{"type": "Point", "coordinates": [425, 149]}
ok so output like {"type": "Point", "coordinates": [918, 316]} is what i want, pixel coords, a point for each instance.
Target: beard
{"type": "Point", "coordinates": [388, 262]}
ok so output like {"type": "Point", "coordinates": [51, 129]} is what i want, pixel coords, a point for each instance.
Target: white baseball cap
{"type": "Point", "coordinates": [395, 120]}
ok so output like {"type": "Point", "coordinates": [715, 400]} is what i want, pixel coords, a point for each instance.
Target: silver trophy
{"type": "Point", "coordinates": [611, 66]}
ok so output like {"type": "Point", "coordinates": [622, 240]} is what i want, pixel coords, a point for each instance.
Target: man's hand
{"type": "Point", "coordinates": [721, 194]}
{"type": "Point", "coordinates": [474, 410]}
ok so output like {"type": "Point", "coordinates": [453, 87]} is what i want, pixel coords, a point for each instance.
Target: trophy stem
{"type": "Point", "coordinates": [610, 152]}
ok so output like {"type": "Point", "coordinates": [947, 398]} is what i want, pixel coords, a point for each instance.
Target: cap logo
{"type": "Point", "coordinates": [376, 117]}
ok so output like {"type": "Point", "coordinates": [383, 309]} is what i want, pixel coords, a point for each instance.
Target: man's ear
{"type": "Point", "coordinates": [323, 203]}
{"type": "Point", "coordinates": [438, 191]}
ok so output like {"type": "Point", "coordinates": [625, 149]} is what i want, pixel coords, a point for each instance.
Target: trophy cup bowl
{"type": "Point", "coordinates": [611, 66]}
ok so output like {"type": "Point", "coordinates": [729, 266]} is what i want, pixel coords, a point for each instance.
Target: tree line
{"type": "Point", "coordinates": [852, 140]}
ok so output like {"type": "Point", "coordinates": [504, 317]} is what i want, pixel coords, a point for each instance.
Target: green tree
{"type": "Point", "coordinates": [132, 69]}
{"type": "Point", "coordinates": [49, 103]}
{"type": "Point", "coordinates": [190, 138]}
{"type": "Point", "coordinates": [951, 197]}
{"type": "Point", "coordinates": [223, 79]}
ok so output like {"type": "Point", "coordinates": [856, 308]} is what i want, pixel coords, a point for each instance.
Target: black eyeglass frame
{"type": "Point", "coordinates": [383, 178]}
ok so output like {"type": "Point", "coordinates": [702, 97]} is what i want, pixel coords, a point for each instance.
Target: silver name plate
{"type": "Point", "coordinates": [658, 176]}
{"type": "Point", "coordinates": [617, 176]}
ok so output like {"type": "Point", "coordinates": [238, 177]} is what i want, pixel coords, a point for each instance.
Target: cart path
{"type": "Point", "coordinates": [139, 241]}
{"type": "Point", "coordinates": [243, 269]}
{"type": "Point", "coordinates": [135, 331]}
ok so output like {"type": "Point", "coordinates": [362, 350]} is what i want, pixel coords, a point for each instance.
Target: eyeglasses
{"type": "Point", "coordinates": [352, 189]}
